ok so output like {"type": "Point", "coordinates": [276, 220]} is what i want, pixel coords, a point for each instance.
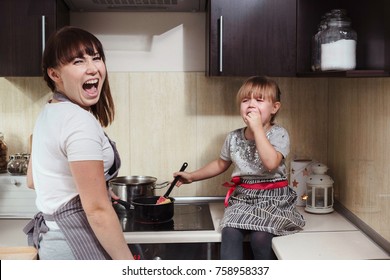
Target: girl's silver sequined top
{"type": "Point", "coordinates": [246, 160]}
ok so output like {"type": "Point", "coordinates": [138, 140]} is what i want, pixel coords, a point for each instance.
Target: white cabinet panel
{"type": "Point", "coordinates": [16, 200]}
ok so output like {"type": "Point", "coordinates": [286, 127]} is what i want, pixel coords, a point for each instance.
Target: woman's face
{"type": "Point", "coordinates": [81, 80]}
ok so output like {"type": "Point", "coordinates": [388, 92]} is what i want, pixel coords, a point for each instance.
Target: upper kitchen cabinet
{"type": "Point", "coordinates": [25, 27]}
{"type": "Point", "coordinates": [370, 20]}
{"type": "Point", "coordinates": [251, 37]}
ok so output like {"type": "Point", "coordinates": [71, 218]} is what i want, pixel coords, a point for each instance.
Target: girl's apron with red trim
{"type": "Point", "coordinates": [236, 181]}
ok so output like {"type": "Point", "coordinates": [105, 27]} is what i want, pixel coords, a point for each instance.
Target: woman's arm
{"type": "Point", "coordinates": [30, 181]}
{"type": "Point", "coordinates": [210, 170]}
{"type": "Point", "coordinates": [91, 185]}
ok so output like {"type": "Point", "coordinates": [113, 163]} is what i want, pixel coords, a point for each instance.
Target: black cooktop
{"type": "Point", "coordinates": [187, 217]}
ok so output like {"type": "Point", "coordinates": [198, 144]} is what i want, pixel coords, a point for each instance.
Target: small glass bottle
{"type": "Point", "coordinates": [24, 167]}
{"type": "Point", "coordinates": [11, 168]}
{"type": "Point", "coordinates": [338, 44]}
{"type": "Point", "coordinates": [3, 154]}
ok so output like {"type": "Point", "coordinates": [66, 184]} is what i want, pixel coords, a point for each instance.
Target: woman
{"type": "Point", "coordinates": [72, 158]}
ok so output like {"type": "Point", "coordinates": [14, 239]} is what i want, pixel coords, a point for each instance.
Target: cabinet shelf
{"type": "Point", "coordinates": [370, 20]}
{"type": "Point", "coordinates": [347, 74]}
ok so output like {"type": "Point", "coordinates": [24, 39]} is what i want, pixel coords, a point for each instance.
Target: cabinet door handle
{"type": "Point", "coordinates": [43, 33]}
{"type": "Point", "coordinates": [220, 43]}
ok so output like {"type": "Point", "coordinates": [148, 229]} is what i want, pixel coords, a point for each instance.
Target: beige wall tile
{"type": "Point", "coordinates": [358, 148]}
{"type": "Point", "coordinates": [166, 118]}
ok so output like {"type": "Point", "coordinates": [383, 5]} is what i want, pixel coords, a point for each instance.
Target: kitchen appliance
{"type": "Point", "coordinates": [187, 216]}
{"type": "Point", "coordinates": [190, 214]}
{"type": "Point", "coordinates": [319, 191]}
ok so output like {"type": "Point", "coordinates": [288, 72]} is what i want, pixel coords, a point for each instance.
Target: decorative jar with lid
{"type": "Point", "coordinates": [338, 44]}
{"type": "Point", "coordinates": [15, 164]}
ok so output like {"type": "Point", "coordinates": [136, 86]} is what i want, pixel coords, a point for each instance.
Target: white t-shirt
{"type": "Point", "coordinates": [64, 132]}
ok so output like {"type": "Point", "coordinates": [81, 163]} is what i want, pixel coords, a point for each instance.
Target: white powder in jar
{"type": "Point", "coordinates": [339, 55]}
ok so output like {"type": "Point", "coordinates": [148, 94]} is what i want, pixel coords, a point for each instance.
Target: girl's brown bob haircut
{"type": "Point", "coordinates": [62, 48]}
{"type": "Point", "coordinates": [260, 87]}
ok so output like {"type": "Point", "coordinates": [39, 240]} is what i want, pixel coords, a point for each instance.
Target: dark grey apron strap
{"type": "Point", "coordinates": [113, 172]}
{"type": "Point", "coordinates": [72, 221]}
{"type": "Point", "coordinates": [34, 228]}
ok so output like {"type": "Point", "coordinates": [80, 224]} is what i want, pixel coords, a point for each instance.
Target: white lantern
{"type": "Point", "coordinates": [319, 191]}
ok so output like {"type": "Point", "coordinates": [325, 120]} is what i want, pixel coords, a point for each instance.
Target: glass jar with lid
{"type": "Point", "coordinates": [15, 164]}
{"type": "Point", "coordinates": [3, 154]}
{"type": "Point", "coordinates": [338, 44]}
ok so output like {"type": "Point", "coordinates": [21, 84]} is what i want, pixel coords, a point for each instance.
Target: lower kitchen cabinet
{"type": "Point", "coordinates": [182, 251]}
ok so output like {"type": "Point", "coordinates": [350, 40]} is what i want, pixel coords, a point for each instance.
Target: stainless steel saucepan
{"type": "Point", "coordinates": [127, 188]}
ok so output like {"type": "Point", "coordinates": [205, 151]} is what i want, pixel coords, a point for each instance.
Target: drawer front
{"type": "Point", "coordinates": [16, 200]}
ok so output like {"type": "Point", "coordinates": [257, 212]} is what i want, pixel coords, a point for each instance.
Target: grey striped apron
{"type": "Point", "coordinates": [269, 210]}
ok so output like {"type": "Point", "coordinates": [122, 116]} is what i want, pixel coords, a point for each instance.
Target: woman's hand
{"type": "Point", "coordinates": [112, 194]}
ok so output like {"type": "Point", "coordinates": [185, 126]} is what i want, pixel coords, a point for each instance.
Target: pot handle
{"type": "Point", "coordinates": [161, 185]}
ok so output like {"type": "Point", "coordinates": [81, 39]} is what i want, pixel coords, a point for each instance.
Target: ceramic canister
{"type": "Point", "coordinates": [299, 171]}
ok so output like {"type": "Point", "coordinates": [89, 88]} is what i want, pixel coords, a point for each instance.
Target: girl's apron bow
{"type": "Point", "coordinates": [236, 181]}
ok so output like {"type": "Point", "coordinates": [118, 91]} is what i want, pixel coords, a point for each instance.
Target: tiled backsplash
{"type": "Point", "coordinates": [166, 118]}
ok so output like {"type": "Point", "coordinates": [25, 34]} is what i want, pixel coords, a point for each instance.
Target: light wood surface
{"type": "Point", "coordinates": [18, 253]}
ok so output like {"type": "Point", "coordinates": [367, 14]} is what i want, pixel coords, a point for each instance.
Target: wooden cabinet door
{"type": "Point", "coordinates": [25, 27]}
{"type": "Point", "coordinates": [251, 37]}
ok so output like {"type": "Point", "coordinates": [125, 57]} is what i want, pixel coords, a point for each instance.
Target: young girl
{"type": "Point", "coordinates": [259, 203]}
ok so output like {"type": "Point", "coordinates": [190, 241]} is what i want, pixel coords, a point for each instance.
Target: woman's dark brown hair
{"type": "Point", "coordinates": [65, 45]}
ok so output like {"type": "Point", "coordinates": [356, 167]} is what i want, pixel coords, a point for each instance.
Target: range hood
{"type": "Point", "coordinates": [136, 5]}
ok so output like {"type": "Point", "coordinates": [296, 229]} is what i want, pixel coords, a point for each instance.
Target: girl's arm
{"type": "Point", "coordinates": [269, 156]}
{"type": "Point", "coordinates": [211, 169]}
{"type": "Point", "coordinates": [101, 216]}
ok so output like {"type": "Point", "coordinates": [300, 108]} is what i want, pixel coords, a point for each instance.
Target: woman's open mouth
{"type": "Point", "coordinates": [91, 86]}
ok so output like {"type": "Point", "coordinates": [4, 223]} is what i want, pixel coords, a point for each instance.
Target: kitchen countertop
{"type": "Point", "coordinates": [325, 236]}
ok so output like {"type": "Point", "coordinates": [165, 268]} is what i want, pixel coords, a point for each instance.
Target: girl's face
{"type": "Point", "coordinates": [259, 105]}
{"type": "Point", "coordinates": [81, 80]}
